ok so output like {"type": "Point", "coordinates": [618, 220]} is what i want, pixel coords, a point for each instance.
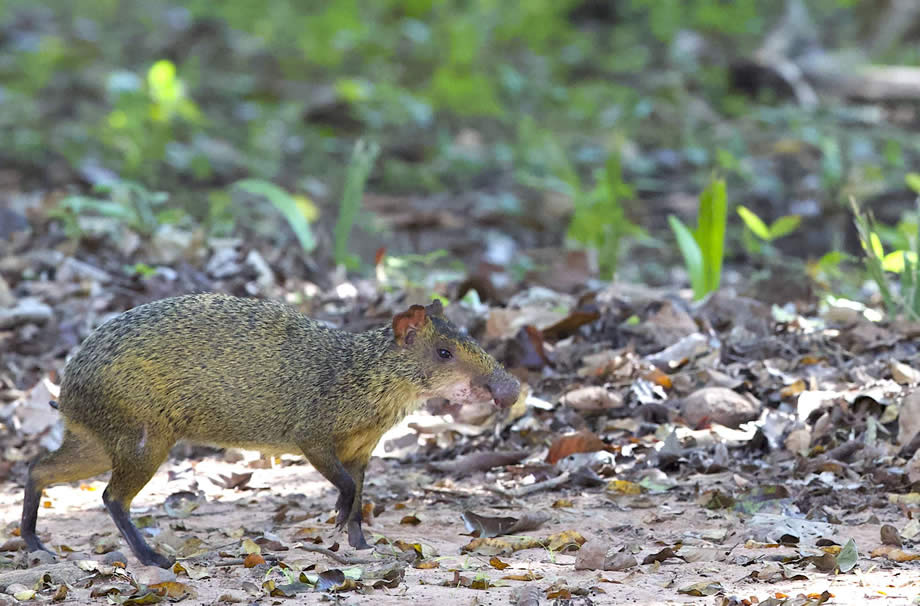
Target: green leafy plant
{"type": "Point", "coordinates": [905, 298]}
{"type": "Point", "coordinates": [704, 248]}
{"type": "Point", "coordinates": [600, 219]}
{"type": "Point", "coordinates": [913, 182]}
{"type": "Point", "coordinates": [289, 206]}
{"type": "Point", "coordinates": [128, 203]}
{"type": "Point", "coordinates": [359, 168]}
{"type": "Point", "coordinates": [765, 234]}
{"type": "Point", "coordinates": [783, 226]}
{"type": "Point", "coordinates": [147, 118]}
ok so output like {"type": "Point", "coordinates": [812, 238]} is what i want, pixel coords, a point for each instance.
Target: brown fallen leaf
{"type": "Point", "coordinates": [233, 481]}
{"type": "Point", "coordinates": [462, 581]}
{"type": "Point", "coordinates": [404, 547]}
{"type": "Point", "coordinates": [567, 540]}
{"type": "Point", "coordinates": [480, 461]}
{"type": "Point", "coordinates": [488, 526]}
{"type": "Point", "coordinates": [571, 323]}
{"type": "Point", "coordinates": [895, 554]}
{"type": "Point", "coordinates": [411, 520]}
{"type": "Point", "coordinates": [488, 547]}
{"type": "Point", "coordinates": [497, 564]}
{"type": "Point", "coordinates": [528, 350]}
{"type": "Point", "coordinates": [665, 554]}
{"type": "Point", "coordinates": [581, 441]}
{"type": "Point", "coordinates": [172, 590]}
{"type": "Point", "coordinates": [703, 588]}
{"type": "Point", "coordinates": [623, 487]}
{"type": "Point", "coordinates": [527, 576]}
{"type": "Point", "coordinates": [60, 594]}
{"type": "Point", "coordinates": [252, 560]}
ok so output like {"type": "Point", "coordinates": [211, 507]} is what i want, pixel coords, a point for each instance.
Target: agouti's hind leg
{"type": "Point", "coordinates": [133, 464]}
{"type": "Point", "coordinates": [355, 535]}
{"type": "Point", "coordinates": [80, 456]}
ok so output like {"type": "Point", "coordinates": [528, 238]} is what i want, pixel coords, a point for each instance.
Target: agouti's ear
{"type": "Point", "coordinates": [407, 323]}
{"type": "Point", "coordinates": [435, 308]}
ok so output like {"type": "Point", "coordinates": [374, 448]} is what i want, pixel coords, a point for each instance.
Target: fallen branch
{"type": "Point", "coordinates": [521, 491]}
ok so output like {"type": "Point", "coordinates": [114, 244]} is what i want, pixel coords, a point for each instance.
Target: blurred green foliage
{"type": "Point", "coordinates": [362, 161]}
{"type": "Point", "coordinates": [605, 102]}
{"type": "Point", "coordinates": [903, 296]}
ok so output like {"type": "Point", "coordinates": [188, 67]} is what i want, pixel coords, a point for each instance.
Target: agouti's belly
{"type": "Point", "coordinates": [358, 444]}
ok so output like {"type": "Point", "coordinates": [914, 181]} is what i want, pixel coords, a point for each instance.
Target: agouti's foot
{"type": "Point", "coordinates": [356, 536]}
{"type": "Point", "coordinates": [156, 559]}
{"type": "Point", "coordinates": [34, 544]}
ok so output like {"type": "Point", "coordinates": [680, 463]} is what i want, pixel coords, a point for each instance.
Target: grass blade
{"type": "Point", "coordinates": [710, 233]}
{"type": "Point", "coordinates": [286, 205]}
{"type": "Point", "coordinates": [754, 223]}
{"type": "Point", "coordinates": [693, 256]}
{"type": "Point", "coordinates": [359, 168]}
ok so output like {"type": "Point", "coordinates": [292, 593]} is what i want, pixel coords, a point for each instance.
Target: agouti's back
{"type": "Point", "coordinates": [209, 368]}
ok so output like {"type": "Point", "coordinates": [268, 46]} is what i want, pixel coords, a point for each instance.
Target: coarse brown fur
{"type": "Point", "coordinates": [215, 369]}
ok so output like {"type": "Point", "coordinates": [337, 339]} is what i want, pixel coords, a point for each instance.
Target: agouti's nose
{"type": "Point", "coordinates": [504, 388]}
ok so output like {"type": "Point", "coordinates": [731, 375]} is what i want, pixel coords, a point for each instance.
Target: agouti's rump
{"type": "Point", "coordinates": [222, 370]}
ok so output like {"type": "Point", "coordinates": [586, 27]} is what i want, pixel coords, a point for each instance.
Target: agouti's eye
{"type": "Point", "coordinates": [445, 354]}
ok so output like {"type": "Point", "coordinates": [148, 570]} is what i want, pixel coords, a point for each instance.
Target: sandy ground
{"type": "Point", "coordinates": [74, 517]}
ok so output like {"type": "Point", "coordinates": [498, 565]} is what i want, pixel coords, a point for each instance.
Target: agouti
{"type": "Point", "coordinates": [227, 371]}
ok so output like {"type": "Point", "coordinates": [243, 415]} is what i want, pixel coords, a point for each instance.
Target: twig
{"type": "Point", "coordinates": [521, 491]}
{"type": "Point", "coordinates": [338, 558]}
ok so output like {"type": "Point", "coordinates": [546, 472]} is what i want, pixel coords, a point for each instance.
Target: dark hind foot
{"type": "Point", "coordinates": [356, 535]}
{"type": "Point", "coordinates": [34, 544]}
{"type": "Point", "coordinates": [155, 559]}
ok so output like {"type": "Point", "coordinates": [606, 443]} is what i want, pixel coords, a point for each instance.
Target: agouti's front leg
{"type": "Point", "coordinates": [325, 462]}
{"type": "Point", "coordinates": [355, 534]}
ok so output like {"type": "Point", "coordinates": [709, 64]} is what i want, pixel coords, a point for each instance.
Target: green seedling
{"type": "Point", "coordinates": [704, 248]}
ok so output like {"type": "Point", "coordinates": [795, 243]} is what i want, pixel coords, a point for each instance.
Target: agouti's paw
{"type": "Point", "coordinates": [34, 544]}
{"type": "Point", "coordinates": [356, 536]}
{"type": "Point", "coordinates": [156, 559]}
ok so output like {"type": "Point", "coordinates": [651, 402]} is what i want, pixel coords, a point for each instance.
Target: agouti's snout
{"type": "Point", "coordinates": [504, 388]}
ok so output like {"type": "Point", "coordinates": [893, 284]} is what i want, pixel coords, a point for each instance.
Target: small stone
{"type": "Point", "coordinates": [909, 417]}
{"type": "Point", "coordinates": [596, 555]}
{"type": "Point", "coordinates": [233, 596]}
{"type": "Point", "coordinates": [78, 556]}
{"type": "Point", "coordinates": [620, 561]}
{"type": "Point", "coordinates": [15, 588]}
{"type": "Point", "coordinates": [798, 440]}
{"type": "Point", "coordinates": [266, 278]}
{"type": "Point", "coordinates": [592, 398]}
{"type": "Point", "coordinates": [41, 557]}
{"type": "Point", "coordinates": [152, 575]}
{"type": "Point", "coordinates": [904, 374]}
{"type": "Point", "coordinates": [26, 311]}
{"type": "Point", "coordinates": [591, 556]}
{"type": "Point", "coordinates": [73, 270]}
{"type": "Point", "coordinates": [718, 405]}
{"type": "Point", "coordinates": [890, 535]}
{"type": "Point", "coordinates": [114, 556]}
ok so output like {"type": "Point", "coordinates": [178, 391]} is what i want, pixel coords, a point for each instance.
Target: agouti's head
{"type": "Point", "coordinates": [454, 365]}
